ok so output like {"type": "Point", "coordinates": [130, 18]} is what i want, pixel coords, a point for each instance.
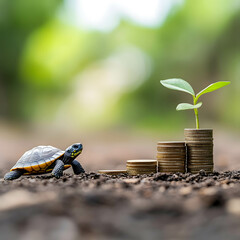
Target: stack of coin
{"type": "Point", "coordinates": [199, 150]}
{"type": "Point", "coordinates": [135, 167]}
{"type": "Point", "coordinates": [112, 172]}
{"type": "Point", "coordinates": [171, 157]}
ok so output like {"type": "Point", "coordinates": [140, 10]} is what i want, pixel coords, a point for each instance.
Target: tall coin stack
{"type": "Point", "coordinates": [199, 150]}
{"type": "Point", "coordinates": [171, 157]}
{"type": "Point", "coordinates": [135, 167]}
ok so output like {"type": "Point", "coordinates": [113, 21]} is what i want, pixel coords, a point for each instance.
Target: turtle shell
{"type": "Point", "coordinates": [38, 160]}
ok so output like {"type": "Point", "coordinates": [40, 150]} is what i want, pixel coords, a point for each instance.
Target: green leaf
{"type": "Point", "coordinates": [179, 85]}
{"type": "Point", "coordinates": [187, 106]}
{"type": "Point", "coordinates": [212, 88]}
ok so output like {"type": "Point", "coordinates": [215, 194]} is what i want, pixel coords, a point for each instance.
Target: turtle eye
{"type": "Point", "coordinates": [75, 146]}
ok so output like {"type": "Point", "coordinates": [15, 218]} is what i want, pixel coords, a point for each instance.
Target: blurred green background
{"type": "Point", "coordinates": [97, 64]}
{"type": "Point", "coordinates": [88, 71]}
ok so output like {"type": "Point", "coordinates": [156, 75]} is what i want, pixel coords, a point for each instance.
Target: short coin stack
{"type": "Point", "coordinates": [199, 150]}
{"type": "Point", "coordinates": [135, 167]}
{"type": "Point", "coordinates": [112, 172]}
{"type": "Point", "coordinates": [171, 157]}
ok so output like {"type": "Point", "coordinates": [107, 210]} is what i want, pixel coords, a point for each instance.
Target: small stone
{"type": "Point", "coordinates": [19, 198]}
{"type": "Point", "coordinates": [233, 206]}
{"type": "Point", "coordinates": [185, 191]}
{"type": "Point", "coordinates": [131, 180]}
{"type": "Point", "coordinates": [211, 191]}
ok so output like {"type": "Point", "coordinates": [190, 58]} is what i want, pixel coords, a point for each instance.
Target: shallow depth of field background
{"type": "Point", "coordinates": [89, 71]}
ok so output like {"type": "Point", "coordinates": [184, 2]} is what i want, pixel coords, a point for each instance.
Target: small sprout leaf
{"type": "Point", "coordinates": [179, 85]}
{"type": "Point", "coordinates": [187, 106]}
{"type": "Point", "coordinates": [212, 88]}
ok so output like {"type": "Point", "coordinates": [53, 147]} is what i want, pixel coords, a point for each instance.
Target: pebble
{"type": "Point", "coordinates": [233, 206]}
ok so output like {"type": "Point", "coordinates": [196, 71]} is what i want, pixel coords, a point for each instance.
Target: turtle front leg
{"type": "Point", "coordinates": [13, 174]}
{"type": "Point", "coordinates": [58, 169]}
{"type": "Point", "coordinates": [77, 167]}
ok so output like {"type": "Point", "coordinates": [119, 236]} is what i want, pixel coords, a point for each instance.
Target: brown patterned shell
{"type": "Point", "coordinates": [38, 159]}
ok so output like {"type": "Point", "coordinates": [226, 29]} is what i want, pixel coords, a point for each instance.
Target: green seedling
{"type": "Point", "coordinates": [182, 85]}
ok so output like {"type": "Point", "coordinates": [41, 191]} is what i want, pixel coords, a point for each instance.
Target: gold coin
{"type": "Point", "coordinates": [202, 158]}
{"type": "Point", "coordinates": [199, 161]}
{"type": "Point", "coordinates": [142, 166]}
{"type": "Point", "coordinates": [195, 135]}
{"type": "Point", "coordinates": [196, 141]}
{"type": "Point", "coordinates": [172, 143]}
{"type": "Point", "coordinates": [172, 171]}
{"type": "Point", "coordinates": [182, 170]}
{"type": "Point", "coordinates": [198, 135]}
{"type": "Point", "coordinates": [187, 135]}
{"type": "Point", "coordinates": [171, 154]}
{"type": "Point", "coordinates": [112, 172]}
{"type": "Point", "coordinates": [168, 149]}
{"type": "Point", "coordinates": [171, 146]}
{"type": "Point", "coordinates": [199, 144]}
{"type": "Point", "coordinates": [199, 158]}
{"type": "Point", "coordinates": [202, 147]}
{"type": "Point", "coordinates": [142, 169]}
{"type": "Point", "coordinates": [198, 131]}
{"type": "Point", "coordinates": [171, 163]}
{"type": "Point", "coordinates": [200, 154]}
{"type": "Point", "coordinates": [199, 169]}
{"type": "Point", "coordinates": [200, 151]}
{"type": "Point", "coordinates": [142, 161]}
{"type": "Point", "coordinates": [172, 160]}
{"type": "Point", "coordinates": [190, 149]}
{"type": "Point", "coordinates": [198, 166]}
{"type": "Point", "coordinates": [140, 173]}
{"type": "Point", "coordinates": [194, 172]}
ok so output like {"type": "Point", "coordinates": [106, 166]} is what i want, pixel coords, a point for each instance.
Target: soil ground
{"type": "Point", "coordinates": [93, 206]}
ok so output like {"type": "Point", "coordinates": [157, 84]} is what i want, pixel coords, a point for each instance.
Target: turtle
{"type": "Point", "coordinates": [46, 159]}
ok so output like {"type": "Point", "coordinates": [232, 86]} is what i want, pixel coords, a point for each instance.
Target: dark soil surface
{"type": "Point", "coordinates": [94, 206]}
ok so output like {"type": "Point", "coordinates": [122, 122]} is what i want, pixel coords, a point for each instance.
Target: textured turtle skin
{"type": "Point", "coordinates": [39, 160]}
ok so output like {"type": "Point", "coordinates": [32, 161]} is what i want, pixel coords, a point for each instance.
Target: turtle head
{"type": "Point", "coordinates": [73, 151]}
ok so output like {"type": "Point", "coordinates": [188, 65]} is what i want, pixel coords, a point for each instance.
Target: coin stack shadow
{"type": "Point", "coordinates": [199, 150]}
{"type": "Point", "coordinates": [171, 157]}
{"type": "Point", "coordinates": [135, 167]}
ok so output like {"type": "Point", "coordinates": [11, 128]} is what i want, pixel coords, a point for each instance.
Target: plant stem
{"type": "Point", "coordinates": [196, 112]}
{"type": "Point", "coordinates": [197, 118]}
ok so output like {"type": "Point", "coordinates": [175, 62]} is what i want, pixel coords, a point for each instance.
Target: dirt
{"type": "Point", "coordinates": [94, 206]}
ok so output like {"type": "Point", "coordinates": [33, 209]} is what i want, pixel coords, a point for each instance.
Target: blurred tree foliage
{"type": "Point", "coordinates": [40, 55]}
{"type": "Point", "coordinates": [199, 43]}
{"type": "Point", "coordinates": [18, 19]}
